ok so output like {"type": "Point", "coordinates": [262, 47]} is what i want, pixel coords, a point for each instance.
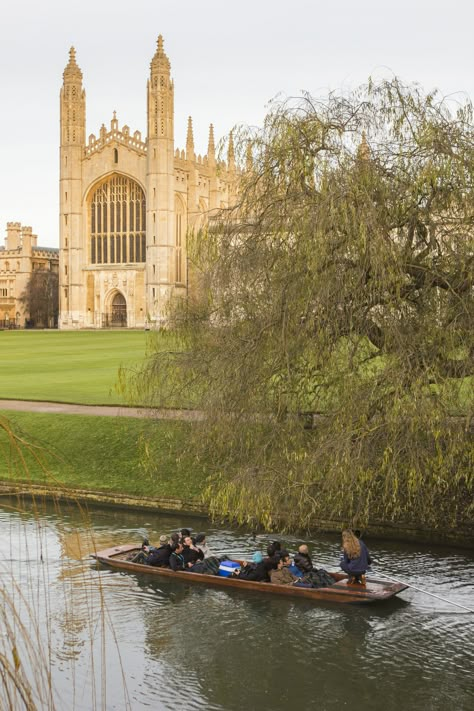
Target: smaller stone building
{"type": "Point", "coordinates": [18, 259]}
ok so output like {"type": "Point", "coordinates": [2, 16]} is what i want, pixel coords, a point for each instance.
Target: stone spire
{"type": "Point", "coordinates": [363, 151]}
{"type": "Point", "coordinates": [231, 153]}
{"type": "Point", "coordinates": [190, 140]}
{"type": "Point", "coordinates": [211, 147]}
{"type": "Point", "coordinates": [160, 92]}
{"type": "Point", "coordinates": [72, 73]}
{"type": "Point", "coordinates": [72, 104]}
{"type": "Point", "coordinates": [160, 63]}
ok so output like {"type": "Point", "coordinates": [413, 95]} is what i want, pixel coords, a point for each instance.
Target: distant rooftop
{"type": "Point", "coordinates": [51, 250]}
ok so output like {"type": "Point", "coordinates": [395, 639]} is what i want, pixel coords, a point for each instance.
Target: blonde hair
{"type": "Point", "coordinates": [350, 545]}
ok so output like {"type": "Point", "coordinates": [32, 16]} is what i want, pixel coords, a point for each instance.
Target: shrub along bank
{"type": "Point", "coordinates": [108, 454]}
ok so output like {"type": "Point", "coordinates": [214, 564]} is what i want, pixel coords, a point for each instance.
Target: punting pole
{"type": "Point", "coordinates": [438, 597]}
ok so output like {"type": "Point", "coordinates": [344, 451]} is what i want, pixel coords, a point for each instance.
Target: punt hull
{"type": "Point", "coordinates": [340, 592]}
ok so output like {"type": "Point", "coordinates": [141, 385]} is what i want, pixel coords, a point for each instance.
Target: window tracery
{"type": "Point", "coordinates": [118, 222]}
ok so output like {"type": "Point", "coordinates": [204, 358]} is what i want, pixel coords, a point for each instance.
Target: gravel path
{"type": "Point", "coordinates": [99, 410]}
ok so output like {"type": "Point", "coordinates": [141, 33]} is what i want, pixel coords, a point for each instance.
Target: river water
{"type": "Point", "coordinates": [114, 640]}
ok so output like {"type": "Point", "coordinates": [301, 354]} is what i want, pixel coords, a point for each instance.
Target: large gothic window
{"type": "Point", "coordinates": [118, 222]}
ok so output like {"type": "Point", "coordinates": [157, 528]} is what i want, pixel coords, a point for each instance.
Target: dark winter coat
{"type": "Point", "coordinates": [177, 561]}
{"type": "Point", "coordinates": [255, 571]}
{"type": "Point", "coordinates": [191, 556]}
{"type": "Point", "coordinates": [160, 557]}
{"type": "Point", "coordinates": [303, 562]}
{"type": "Point", "coordinates": [356, 566]}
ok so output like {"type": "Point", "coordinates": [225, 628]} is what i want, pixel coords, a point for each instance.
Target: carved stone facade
{"type": "Point", "coordinates": [18, 259]}
{"type": "Point", "coordinates": [126, 204]}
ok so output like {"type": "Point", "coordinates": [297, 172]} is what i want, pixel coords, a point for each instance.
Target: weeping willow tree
{"type": "Point", "coordinates": [330, 343]}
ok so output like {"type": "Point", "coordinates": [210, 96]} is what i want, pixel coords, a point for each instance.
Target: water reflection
{"type": "Point", "coordinates": [166, 644]}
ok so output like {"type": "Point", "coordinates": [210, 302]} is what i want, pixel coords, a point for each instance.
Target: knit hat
{"type": "Point", "coordinates": [163, 539]}
{"type": "Point", "coordinates": [257, 557]}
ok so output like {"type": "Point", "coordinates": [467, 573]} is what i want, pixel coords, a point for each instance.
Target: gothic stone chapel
{"type": "Point", "coordinates": [126, 204]}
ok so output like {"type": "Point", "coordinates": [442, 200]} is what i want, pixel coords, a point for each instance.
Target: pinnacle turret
{"type": "Point", "coordinates": [363, 151]}
{"type": "Point", "coordinates": [231, 152]}
{"type": "Point", "coordinates": [72, 72]}
{"type": "Point", "coordinates": [211, 147]}
{"type": "Point", "coordinates": [160, 62]}
{"type": "Point", "coordinates": [190, 140]}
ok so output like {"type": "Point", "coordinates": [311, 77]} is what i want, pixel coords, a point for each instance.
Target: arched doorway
{"type": "Point", "coordinates": [118, 316]}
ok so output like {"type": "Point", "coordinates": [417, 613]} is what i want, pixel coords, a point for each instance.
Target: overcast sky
{"type": "Point", "coordinates": [228, 59]}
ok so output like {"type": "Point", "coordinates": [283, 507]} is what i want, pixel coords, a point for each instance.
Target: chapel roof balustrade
{"type": "Point", "coordinates": [123, 137]}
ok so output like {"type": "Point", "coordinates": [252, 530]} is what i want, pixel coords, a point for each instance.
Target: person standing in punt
{"type": "Point", "coordinates": [355, 557]}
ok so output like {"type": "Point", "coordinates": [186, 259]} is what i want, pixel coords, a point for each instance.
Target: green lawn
{"type": "Point", "coordinates": [102, 453]}
{"type": "Point", "coordinates": [68, 366]}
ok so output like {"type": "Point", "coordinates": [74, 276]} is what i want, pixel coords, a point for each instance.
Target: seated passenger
{"type": "Point", "coordinates": [294, 568]}
{"type": "Point", "coordinates": [282, 576]}
{"type": "Point", "coordinates": [303, 559]}
{"type": "Point", "coordinates": [256, 570]}
{"type": "Point", "coordinates": [176, 558]}
{"type": "Point", "coordinates": [319, 578]}
{"type": "Point", "coordinates": [160, 557]}
{"type": "Point", "coordinates": [201, 543]}
{"type": "Point", "coordinates": [273, 547]}
{"type": "Point", "coordinates": [356, 558]}
{"type": "Point", "coordinates": [183, 534]}
{"type": "Point", "coordinates": [191, 553]}
{"type": "Point", "coordinates": [143, 554]}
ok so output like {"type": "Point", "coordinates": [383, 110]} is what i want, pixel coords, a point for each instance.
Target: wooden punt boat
{"type": "Point", "coordinates": [341, 591]}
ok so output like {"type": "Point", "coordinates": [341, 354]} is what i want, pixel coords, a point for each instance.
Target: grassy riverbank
{"type": "Point", "coordinates": [103, 453]}
{"type": "Point", "coordinates": [70, 366]}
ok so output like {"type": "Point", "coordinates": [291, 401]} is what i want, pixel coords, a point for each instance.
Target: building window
{"type": "Point", "coordinates": [178, 250]}
{"type": "Point", "coordinates": [115, 155]}
{"type": "Point", "coordinates": [118, 222]}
